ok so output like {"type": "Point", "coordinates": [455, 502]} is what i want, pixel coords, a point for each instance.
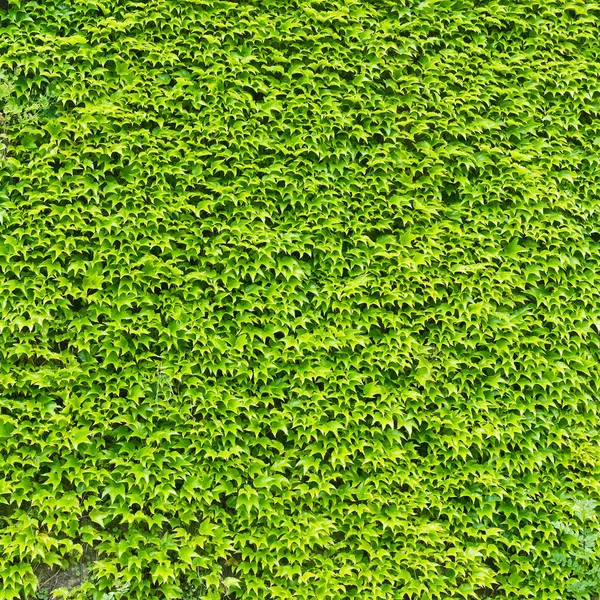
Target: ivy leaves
{"type": "Point", "coordinates": [299, 300]}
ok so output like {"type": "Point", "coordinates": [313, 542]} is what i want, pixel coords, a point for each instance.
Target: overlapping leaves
{"type": "Point", "coordinates": [299, 299]}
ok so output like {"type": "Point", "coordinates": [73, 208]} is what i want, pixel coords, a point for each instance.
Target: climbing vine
{"type": "Point", "coordinates": [299, 299]}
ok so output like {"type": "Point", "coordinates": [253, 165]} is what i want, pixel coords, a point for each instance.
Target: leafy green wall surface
{"type": "Point", "coordinates": [300, 299]}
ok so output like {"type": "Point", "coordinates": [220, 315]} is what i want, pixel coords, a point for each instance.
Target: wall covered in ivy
{"type": "Point", "coordinates": [300, 299]}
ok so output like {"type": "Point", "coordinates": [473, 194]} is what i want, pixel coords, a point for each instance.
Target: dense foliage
{"type": "Point", "coordinates": [300, 299]}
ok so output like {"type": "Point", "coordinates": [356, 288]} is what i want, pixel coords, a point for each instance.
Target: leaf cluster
{"type": "Point", "coordinates": [299, 299]}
